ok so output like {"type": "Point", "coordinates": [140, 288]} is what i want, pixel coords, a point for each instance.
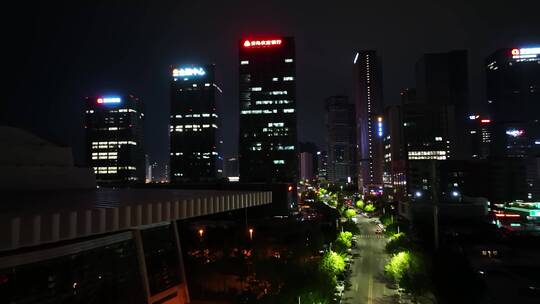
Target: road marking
{"type": "Point", "coordinates": [370, 290]}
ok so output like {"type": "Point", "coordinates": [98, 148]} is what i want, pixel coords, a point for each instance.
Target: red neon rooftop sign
{"type": "Point", "coordinates": [261, 43]}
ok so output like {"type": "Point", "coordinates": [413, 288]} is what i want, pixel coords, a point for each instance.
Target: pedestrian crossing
{"type": "Point", "coordinates": [370, 236]}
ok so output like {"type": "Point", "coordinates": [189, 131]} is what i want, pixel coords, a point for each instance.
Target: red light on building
{"type": "Point", "coordinates": [485, 121]}
{"type": "Point", "coordinates": [506, 215]}
{"type": "Point", "coordinates": [515, 52]}
{"type": "Point", "coordinates": [100, 100]}
{"type": "Point", "coordinates": [262, 43]}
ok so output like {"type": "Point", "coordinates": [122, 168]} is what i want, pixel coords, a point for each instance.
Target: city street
{"type": "Point", "coordinates": [366, 283]}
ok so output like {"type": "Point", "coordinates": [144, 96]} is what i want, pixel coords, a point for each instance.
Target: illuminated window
{"type": "Point", "coordinates": [255, 89]}
{"type": "Point", "coordinates": [288, 60]}
{"type": "Point", "coordinates": [243, 62]}
{"type": "Point", "coordinates": [279, 161]}
{"type": "Point", "coordinates": [275, 79]}
{"type": "Point", "coordinates": [288, 78]}
{"type": "Point", "coordinates": [288, 110]}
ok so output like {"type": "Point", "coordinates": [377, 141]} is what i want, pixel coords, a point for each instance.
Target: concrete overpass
{"type": "Point", "coordinates": [122, 243]}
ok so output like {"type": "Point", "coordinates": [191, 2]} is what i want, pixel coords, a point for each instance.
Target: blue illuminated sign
{"type": "Point", "coordinates": [109, 100]}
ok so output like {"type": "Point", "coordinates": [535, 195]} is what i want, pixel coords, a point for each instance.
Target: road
{"type": "Point", "coordinates": [366, 284]}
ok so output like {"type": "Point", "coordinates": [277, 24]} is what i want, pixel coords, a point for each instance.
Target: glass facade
{"type": "Point", "coordinates": [268, 136]}
{"type": "Point", "coordinates": [114, 132]}
{"type": "Point", "coordinates": [106, 274]}
{"type": "Point", "coordinates": [194, 124]}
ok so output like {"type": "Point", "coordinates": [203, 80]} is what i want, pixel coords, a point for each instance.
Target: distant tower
{"type": "Point", "coordinates": [368, 99]}
{"type": "Point", "coordinates": [340, 125]}
{"type": "Point", "coordinates": [114, 132]}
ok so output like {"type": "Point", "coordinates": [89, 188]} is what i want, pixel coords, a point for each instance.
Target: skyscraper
{"type": "Point", "coordinates": [114, 132]}
{"type": "Point", "coordinates": [268, 138]}
{"type": "Point", "coordinates": [194, 124]}
{"type": "Point", "coordinates": [340, 126]}
{"type": "Point", "coordinates": [442, 79]}
{"type": "Point", "coordinates": [368, 99]}
{"type": "Point", "coordinates": [306, 165]}
{"type": "Point", "coordinates": [322, 165]}
{"type": "Point", "coordinates": [513, 95]}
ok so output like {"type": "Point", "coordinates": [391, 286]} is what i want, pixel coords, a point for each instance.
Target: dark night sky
{"type": "Point", "coordinates": [59, 54]}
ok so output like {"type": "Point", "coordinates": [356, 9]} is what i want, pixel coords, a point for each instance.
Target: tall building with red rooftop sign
{"type": "Point", "coordinates": [268, 136]}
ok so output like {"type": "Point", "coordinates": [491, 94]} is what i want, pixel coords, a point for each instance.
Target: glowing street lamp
{"type": "Point", "coordinates": [201, 232]}
{"type": "Point", "coordinates": [250, 233]}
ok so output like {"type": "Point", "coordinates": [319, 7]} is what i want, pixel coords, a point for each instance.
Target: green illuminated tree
{"type": "Point", "coordinates": [360, 204]}
{"type": "Point", "coordinates": [343, 241]}
{"type": "Point", "coordinates": [332, 264]}
{"type": "Point", "coordinates": [397, 243]}
{"type": "Point", "coordinates": [349, 213]}
{"type": "Point", "coordinates": [369, 208]}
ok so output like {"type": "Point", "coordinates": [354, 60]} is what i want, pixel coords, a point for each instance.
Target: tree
{"type": "Point", "coordinates": [349, 213]}
{"type": "Point", "coordinates": [332, 264]}
{"type": "Point", "coordinates": [343, 241]}
{"type": "Point", "coordinates": [369, 208]}
{"type": "Point", "coordinates": [360, 204]}
{"type": "Point", "coordinates": [407, 270]}
{"type": "Point", "coordinates": [398, 265]}
{"type": "Point", "coordinates": [397, 243]}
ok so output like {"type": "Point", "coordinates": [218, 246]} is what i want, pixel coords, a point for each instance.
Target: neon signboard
{"type": "Point", "coordinates": [515, 132]}
{"type": "Point", "coordinates": [525, 53]}
{"type": "Point", "coordinates": [109, 100]}
{"type": "Point", "coordinates": [261, 43]}
{"type": "Point", "coordinates": [186, 72]}
{"type": "Point", "coordinates": [379, 126]}
{"type": "Point", "coordinates": [485, 121]}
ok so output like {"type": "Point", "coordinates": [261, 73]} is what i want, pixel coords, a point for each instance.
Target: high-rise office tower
{"type": "Point", "coordinates": [368, 99]}
{"type": "Point", "coordinates": [194, 124]}
{"type": "Point", "coordinates": [479, 133]}
{"type": "Point", "coordinates": [513, 95]}
{"type": "Point", "coordinates": [322, 165]}
{"type": "Point", "coordinates": [394, 154]}
{"type": "Point", "coordinates": [340, 126]}
{"type": "Point", "coordinates": [442, 79]}
{"type": "Point", "coordinates": [306, 165]}
{"type": "Point", "coordinates": [114, 132]}
{"type": "Point", "coordinates": [268, 136]}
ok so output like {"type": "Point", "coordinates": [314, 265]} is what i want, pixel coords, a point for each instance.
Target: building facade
{"type": "Point", "coordinates": [442, 79]}
{"type": "Point", "coordinates": [340, 126]}
{"type": "Point", "coordinates": [306, 166]}
{"type": "Point", "coordinates": [368, 99]}
{"type": "Point", "coordinates": [322, 165]}
{"type": "Point", "coordinates": [513, 95]}
{"type": "Point", "coordinates": [114, 138]}
{"type": "Point", "coordinates": [479, 133]}
{"type": "Point", "coordinates": [268, 131]}
{"type": "Point", "coordinates": [194, 123]}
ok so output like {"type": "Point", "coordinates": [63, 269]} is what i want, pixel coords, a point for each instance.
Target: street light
{"type": "Point", "coordinates": [418, 194]}
{"type": "Point", "coordinates": [251, 233]}
{"type": "Point", "coordinates": [455, 193]}
{"type": "Point", "coordinates": [201, 232]}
